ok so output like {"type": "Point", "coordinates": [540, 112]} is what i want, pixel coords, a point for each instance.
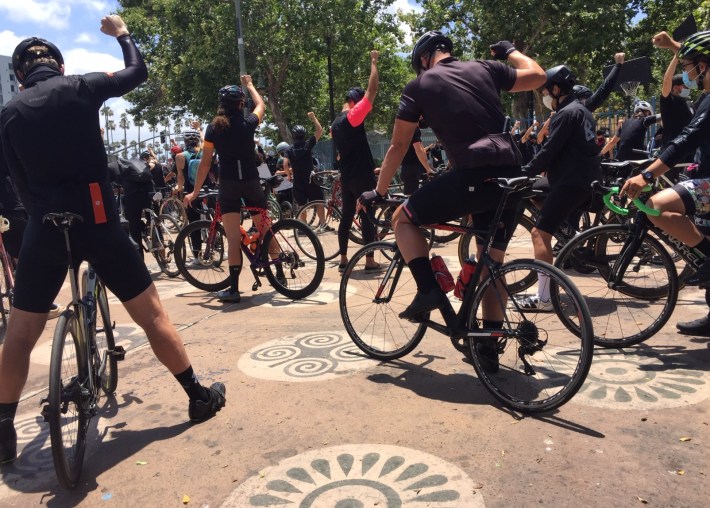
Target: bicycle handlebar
{"type": "Point", "coordinates": [614, 190]}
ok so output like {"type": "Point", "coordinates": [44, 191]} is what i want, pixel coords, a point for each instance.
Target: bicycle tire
{"type": "Point", "coordinates": [540, 366]}
{"type": "Point", "coordinates": [209, 269]}
{"type": "Point", "coordinates": [164, 234]}
{"type": "Point", "coordinates": [103, 328]}
{"type": "Point", "coordinates": [5, 295]}
{"type": "Point", "coordinates": [300, 258]}
{"type": "Point", "coordinates": [328, 239]}
{"type": "Point", "coordinates": [640, 306]}
{"type": "Point", "coordinates": [372, 321]}
{"type": "Point", "coordinates": [65, 410]}
{"type": "Point", "coordinates": [176, 209]}
{"type": "Point", "coordinates": [273, 208]}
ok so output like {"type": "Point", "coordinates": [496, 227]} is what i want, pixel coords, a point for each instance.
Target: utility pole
{"type": "Point", "coordinates": [240, 38]}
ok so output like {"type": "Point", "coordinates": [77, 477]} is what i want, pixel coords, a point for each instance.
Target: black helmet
{"type": "Point", "coordinates": [299, 132]}
{"type": "Point", "coordinates": [355, 94]}
{"type": "Point", "coordinates": [192, 138]}
{"type": "Point", "coordinates": [582, 92]}
{"type": "Point", "coordinates": [695, 46]}
{"type": "Point", "coordinates": [428, 43]}
{"type": "Point", "coordinates": [561, 76]}
{"type": "Point", "coordinates": [230, 94]}
{"type": "Point", "coordinates": [145, 155]}
{"type": "Point", "coordinates": [18, 56]}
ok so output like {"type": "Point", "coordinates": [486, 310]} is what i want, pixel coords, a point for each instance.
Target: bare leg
{"type": "Point", "coordinates": [491, 305]}
{"type": "Point", "coordinates": [232, 222]}
{"type": "Point", "coordinates": [23, 330]}
{"type": "Point", "coordinates": [410, 239]}
{"type": "Point", "coordinates": [673, 218]}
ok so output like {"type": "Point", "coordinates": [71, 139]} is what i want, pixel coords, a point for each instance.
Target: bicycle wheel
{"type": "Point", "coordinates": [643, 301]}
{"type": "Point", "coordinates": [292, 259]}
{"type": "Point", "coordinates": [370, 303]}
{"type": "Point", "coordinates": [273, 209]}
{"type": "Point", "coordinates": [5, 294]}
{"type": "Point", "coordinates": [203, 265]}
{"type": "Point", "coordinates": [66, 406]}
{"type": "Point", "coordinates": [106, 370]}
{"type": "Point", "coordinates": [164, 234]}
{"type": "Point", "coordinates": [540, 365]}
{"type": "Point", "coordinates": [327, 231]}
{"type": "Point", "coordinates": [176, 209]}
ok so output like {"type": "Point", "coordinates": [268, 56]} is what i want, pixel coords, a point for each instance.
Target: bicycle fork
{"type": "Point", "coordinates": [630, 249]}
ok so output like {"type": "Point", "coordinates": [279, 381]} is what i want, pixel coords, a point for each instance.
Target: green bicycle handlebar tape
{"type": "Point", "coordinates": [624, 211]}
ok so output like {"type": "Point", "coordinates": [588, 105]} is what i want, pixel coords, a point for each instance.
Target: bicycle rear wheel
{"type": "Point", "coordinates": [327, 230]}
{"type": "Point", "coordinates": [107, 370]}
{"type": "Point", "coordinates": [5, 294]}
{"type": "Point", "coordinates": [164, 234]}
{"type": "Point", "coordinates": [201, 255]}
{"type": "Point", "coordinates": [640, 304]}
{"type": "Point", "coordinates": [370, 303]}
{"type": "Point", "coordinates": [295, 265]}
{"type": "Point", "coordinates": [176, 209]}
{"type": "Point", "coordinates": [66, 410]}
{"type": "Point", "coordinates": [534, 364]}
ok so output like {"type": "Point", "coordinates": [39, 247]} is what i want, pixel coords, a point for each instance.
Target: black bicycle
{"type": "Point", "coordinates": [532, 363]}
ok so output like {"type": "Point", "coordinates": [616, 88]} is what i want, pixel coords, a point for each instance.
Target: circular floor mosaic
{"type": "Point", "coordinates": [312, 356]}
{"type": "Point", "coordinates": [358, 476]}
{"type": "Point", "coordinates": [266, 296]}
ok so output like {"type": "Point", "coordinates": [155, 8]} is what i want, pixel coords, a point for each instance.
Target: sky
{"type": "Point", "coordinates": [73, 25]}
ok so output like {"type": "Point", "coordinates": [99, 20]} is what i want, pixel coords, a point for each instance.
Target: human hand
{"type": "Point", "coordinates": [196, 124]}
{"type": "Point", "coordinates": [663, 40]}
{"type": "Point", "coordinates": [311, 115]}
{"type": "Point", "coordinates": [374, 54]}
{"type": "Point", "coordinates": [113, 25]}
{"type": "Point", "coordinates": [633, 186]}
{"type": "Point", "coordinates": [619, 58]}
{"type": "Point", "coordinates": [368, 198]}
{"type": "Point", "coordinates": [246, 80]}
{"type": "Point", "coordinates": [188, 199]}
{"type": "Point", "coordinates": [501, 49]}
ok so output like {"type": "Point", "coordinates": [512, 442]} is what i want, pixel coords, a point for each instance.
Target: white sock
{"type": "Point", "coordinates": [543, 287]}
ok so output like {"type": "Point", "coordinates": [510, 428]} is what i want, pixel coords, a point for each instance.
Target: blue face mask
{"type": "Point", "coordinates": [685, 93]}
{"type": "Point", "coordinates": [690, 83]}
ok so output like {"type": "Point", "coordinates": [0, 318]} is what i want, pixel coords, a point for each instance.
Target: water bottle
{"type": "Point", "coordinates": [246, 240]}
{"type": "Point", "coordinates": [464, 277]}
{"type": "Point", "coordinates": [442, 274]}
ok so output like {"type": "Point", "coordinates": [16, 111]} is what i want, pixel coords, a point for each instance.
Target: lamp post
{"type": "Point", "coordinates": [240, 38]}
{"type": "Point", "coordinates": [329, 43]}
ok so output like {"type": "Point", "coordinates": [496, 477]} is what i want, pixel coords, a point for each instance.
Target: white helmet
{"type": "Point", "coordinates": [642, 106]}
{"type": "Point", "coordinates": [282, 147]}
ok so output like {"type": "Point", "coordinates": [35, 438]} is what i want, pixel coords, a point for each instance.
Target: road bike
{"type": "Point", "coordinates": [158, 237]}
{"type": "Point", "coordinates": [531, 363]}
{"type": "Point", "coordinates": [83, 364]}
{"type": "Point", "coordinates": [173, 206]}
{"type": "Point", "coordinates": [7, 280]}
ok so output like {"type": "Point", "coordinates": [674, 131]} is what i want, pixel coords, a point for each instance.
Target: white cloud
{"type": "Point", "coordinates": [86, 38]}
{"type": "Point", "coordinates": [406, 7]}
{"type": "Point", "coordinates": [81, 61]}
{"type": "Point", "coordinates": [8, 42]}
{"type": "Point", "coordinates": [53, 13]}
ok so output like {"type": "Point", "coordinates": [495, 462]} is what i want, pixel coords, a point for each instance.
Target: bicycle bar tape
{"type": "Point", "coordinates": [625, 211]}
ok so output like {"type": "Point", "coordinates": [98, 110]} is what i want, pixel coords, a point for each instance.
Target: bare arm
{"type": "Point", "coordinates": [610, 145]}
{"type": "Point", "coordinates": [287, 168]}
{"type": "Point", "coordinates": [526, 136]}
{"type": "Point", "coordinates": [319, 128]}
{"type": "Point", "coordinates": [179, 166]}
{"type": "Point", "coordinates": [259, 106]}
{"type": "Point", "coordinates": [529, 74]}
{"type": "Point", "coordinates": [421, 155]}
{"type": "Point", "coordinates": [663, 40]}
{"type": "Point", "coordinates": [401, 138]}
{"type": "Point", "coordinates": [374, 81]}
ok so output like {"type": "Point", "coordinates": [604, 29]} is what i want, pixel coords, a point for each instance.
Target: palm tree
{"type": "Point", "coordinates": [108, 114]}
{"type": "Point", "coordinates": [124, 123]}
{"type": "Point", "coordinates": [134, 148]}
{"type": "Point", "coordinates": [110, 127]}
{"type": "Point", "coordinates": [138, 122]}
{"type": "Point", "coordinates": [165, 122]}
{"type": "Point", "coordinates": [153, 128]}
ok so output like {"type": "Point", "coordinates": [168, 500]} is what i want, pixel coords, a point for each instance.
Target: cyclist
{"type": "Point", "coordinates": [571, 158]}
{"type": "Point", "coordinates": [632, 133]}
{"type": "Point", "coordinates": [414, 164]}
{"type": "Point", "coordinates": [63, 111]}
{"type": "Point", "coordinates": [231, 136]}
{"type": "Point", "coordinates": [461, 102]}
{"type": "Point", "coordinates": [691, 197]}
{"type": "Point", "coordinates": [592, 100]}
{"type": "Point", "coordinates": [193, 150]}
{"type": "Point", "coordinates": [356, 163]}
{"type": "Point", "coordinates": [298, 164]}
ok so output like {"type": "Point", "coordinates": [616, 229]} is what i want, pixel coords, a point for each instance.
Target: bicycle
{"type": "Point", "coordinates": [538, 364]}
{"type": "Point", "coordinates": [7, 281]}
{"type": "Point", "coordinates": [159, 235]}
{"type": "Point", "coordinates": [83, 364]}
{"type": "Point", "coordinates": [294, 269]}
{"type": "Point", "coordinates": [173, 206]}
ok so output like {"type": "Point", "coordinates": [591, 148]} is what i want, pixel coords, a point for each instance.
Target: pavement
{"type": "Point", "coordinates": [308, 424]}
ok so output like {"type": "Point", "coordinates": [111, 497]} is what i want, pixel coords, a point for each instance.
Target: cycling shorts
{"type": "Point", "coordinates": [310, 192]}
{"type": "Point", "coordinates": [461, 192]}
{"type": "Point", "coordinates": [231, 193]}
{"type": "Point", "coordinates": [42, 266]}
{"type": "Point", "coordinates": [695, 195]}
{"type": "Point", "coordinates": [559, 203]}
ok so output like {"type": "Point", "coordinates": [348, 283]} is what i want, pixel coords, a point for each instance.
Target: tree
{"type": "Point", "coordinates": [110, 127]}
{"type": "Point", "coordinates": [138, 122]}
{"type": "Point", "coordinates": [125, 124]}
{"type": "Point", "coordinates": [108, 114]}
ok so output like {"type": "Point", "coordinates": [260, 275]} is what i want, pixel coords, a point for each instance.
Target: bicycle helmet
{"type": "Point", "coordinates": [299, 132]}
{"type": "Point", "coordinates": [355, 94]}
{"type": "Point", "coordinates": [176, 150]}
{"type": "Point", "coordinates": [230, 94]}
{"type": "Point", "coordinates": [20, 54]}
{"type": "Point", "coordinates": [643, 106]}
{"type": "Point", "coordinates": [192, 138]}
{"type": "Point", "coordinates": [429, 43]}
{"type": "Point", "coordinates": [695, 46]}
{"type": "Point", "coordinates": [581, 92]}
{"type": "Point", "coordinates": [282, 147]}
{"type": "Point", "coordinates": [561, 76]}
{"type": "Point", "coordinates": [145, 155]}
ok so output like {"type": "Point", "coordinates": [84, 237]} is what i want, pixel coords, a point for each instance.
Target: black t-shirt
{"type": "Point", "coordinates": [356, 162]}
{"type": "Point", "coordinates": [676, 113]}
{"type": "Point", "coordinates": [437, 155]}
{"type": "Point", "coordinates": [460, 101]}
{"type": "Point", "coordinates": [301, 159]}
{"type": "Point", "coordinates": [632, 135]}
{"type": "Point", "coordinates": [410, 158]}
{"type": "Point", "coordinates": [235, 147]}
{"type": "Point", "coordinates": [694, 138]}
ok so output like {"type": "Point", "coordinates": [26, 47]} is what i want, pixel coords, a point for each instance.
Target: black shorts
{"type": "Point", "coordinates": [231, 193]}
{"type": "Point", "coordinates": [559, 203]}
{"type": "Point", "coordinates": [42, 266]}
{"type": "Point", "coordinates": [410, 176]}
{"type": "Point", "coordinates": [461, 192]}
{"type": "Point", "coordinates": [310, 192]}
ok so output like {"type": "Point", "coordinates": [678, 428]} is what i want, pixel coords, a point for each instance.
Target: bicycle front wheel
{"type": "Point", "coordinates": [636, 307]}
{"type": "Point", "coordinates": [66, 410]}
{"type": "Point", "coordinates": [532, 364]}
{"type": "Point", "coordinates": [292, 258]}
{"type": "Point", "coordinates": [370, 303]}
{"type": "Point", "coordinates": [327, 230]}
{"type": "Point", "coordinates": [201, 255]}
{"type": "Point", "coordinates": [176, 209]}
{"type": "Point", "coordinates": [164, 235]}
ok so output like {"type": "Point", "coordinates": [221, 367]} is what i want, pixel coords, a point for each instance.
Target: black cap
{"type": "Point", "coordinates": [678, 79]}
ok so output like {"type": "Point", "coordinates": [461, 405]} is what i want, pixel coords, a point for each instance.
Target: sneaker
{"type": "Point", "coordinates": [195, 261]}
{"type": "Point", "coordinates": [488, 354]}
{"type": "Point", "coordinates": [698, 327]}
{"type": "Point", "coordinates": [424, 302]}
{"type": "Point", "coordinates": [8, 441]}
{"type": "Point", "coordinates": [54, 311]}
{"type": "Point", "coordinates": [199, 411]}
{"type": "Point", "coordinates": [342, 267]}
{"type": "Point", "coordinates": [534, 304]}
{"type": "Point", "coordinates": [325, 228]}
{"type": "Point", "coordinates": [227, 295]}
{"type": "Point", "coordinates": [700, 278]}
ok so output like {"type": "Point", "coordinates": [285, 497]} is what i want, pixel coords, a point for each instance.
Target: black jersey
{"type": "Point", "coordinates": [235, 147]}
{"type": "Point", "coordinates": [300, 156]}
{"type": "Point", "coordinates": [676, 113]}
{"type": "Point", "coordinates": [694, 137]}
{"type": "Point", "coordinates": [356, 162]}
{"type": "Point", "coordinates": [460, 101]}
{"type": "Point", "coordinates": [52, 140]}
{"type": "Point", "coordinates": [9, 198]}
{"type": "Point", "coordinates": [632, 135]}
{"type": "Point", "coordinates": [410, 158]}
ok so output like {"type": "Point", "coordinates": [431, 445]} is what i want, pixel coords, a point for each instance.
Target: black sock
{"type": "Point", "coordinates": [423, 274]}
{"type": "Point", "coordinates": [279, 270]}
{"type": "Point", "coordinates": [487, 323]}
{"type": "Point", "coordinates": [703, 246]}
{"type": "Point", "coordinates": [193, 388]}
{"type": "Point", "coordinates": [234, 271]}
{"type": "Point", "coordinates": [8, 410]}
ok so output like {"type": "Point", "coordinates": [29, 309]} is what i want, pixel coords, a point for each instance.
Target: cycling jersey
{"type": "Point", "coordinates": [676, 113]}
{"type": "Point", "coordinates": [460, 101]}
{"type": "Point", "coordinates": [350, 138]}
{"type": "Point", "coordinates": [235, 146]}
{"type": "Point", "coordinates": [632, 135]}
{"type": "Point", "coordinates": [410, 158]}
{"type": "Point", "coordinates": [695, 136]}
{"type": "Point", "coordinates": [55, 112]}
{"type": "Point", "coordinates": [604, 91]}
{"type": "Point", "coordinates": [301, 159]}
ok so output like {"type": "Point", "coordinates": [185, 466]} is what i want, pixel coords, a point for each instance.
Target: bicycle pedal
{"type": "Point", "coordinates": [119, 353]}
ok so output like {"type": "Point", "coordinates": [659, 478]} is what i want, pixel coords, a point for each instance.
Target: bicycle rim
{"type": "Point", "coordinates": [536, 364]}
{"type": "Point", "coordinates": [65, 410]}
{"type": "Point", "coordinates": [174, 208]}
{"type": "Point", "coordinates": [296, 264]}
{"type": "Point", "coordinates": [644, 300]}
{"type": "Point", "coordinates": [107, 372]}
{"type": "Point", "coordinates": [165, 232]}
{"type": "Point", "coordinates": [327, 231]}
{"type": "Point", "coordinates": [370, 303]}
{"type": "Point", "coordinates": [201, 257]}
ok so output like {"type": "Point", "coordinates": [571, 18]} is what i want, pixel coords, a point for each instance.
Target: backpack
{"type": "Point", "coordinates": [134, 170]}
{"type": "Point", "coordinates": [193, 162]}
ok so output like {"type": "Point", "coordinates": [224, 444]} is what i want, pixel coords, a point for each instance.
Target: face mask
{"type": "Point", "coordinates": [685, 93]}
{"type": "Point", "coordinates": [690, 83]}
{"type": "Point", "coordinates": [547, 101]}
